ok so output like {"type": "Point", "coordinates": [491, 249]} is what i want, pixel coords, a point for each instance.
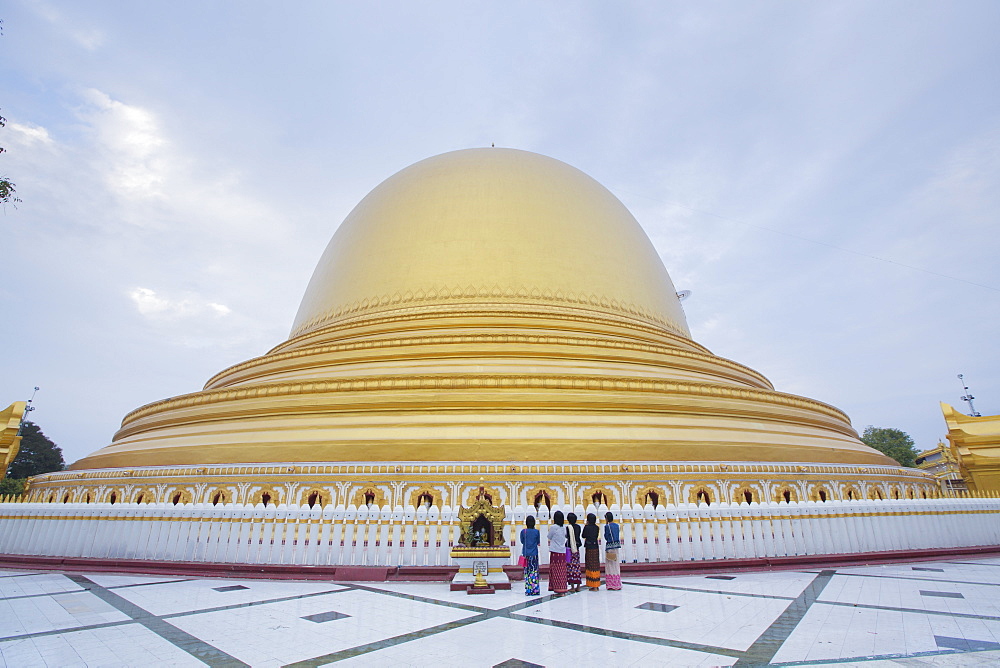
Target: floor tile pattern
{"type": "Point", "coordinates": [942, 614]}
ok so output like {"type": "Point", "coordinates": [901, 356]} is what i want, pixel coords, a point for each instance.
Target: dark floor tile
{"type": "Point", "coordinates": [325, 616]}
{"type": "Point", "coordinates": [941, 594]}
{"type": "Point", "coordinates": [965, 645]}
{"type": "Point", "coordinates": [230, 588]}
{"type": "Point", "coordinates": [658, 607]}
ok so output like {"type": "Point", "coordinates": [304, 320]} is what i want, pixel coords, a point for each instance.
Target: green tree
{"type": "Point", "coordinates": [892, 442]}
{"type": "Point", "coordinates": [38, 454]}
{"type": "Point", "coordinates": [6, 185]}
{"type": "Point", "coordinates": [12, 486]}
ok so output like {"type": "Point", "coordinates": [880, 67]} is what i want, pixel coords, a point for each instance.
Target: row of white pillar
{"type": "Point", "coordinates": [237, 533]}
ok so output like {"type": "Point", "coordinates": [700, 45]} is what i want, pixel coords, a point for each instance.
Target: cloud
{"type": "Point", "coordinates": [136, 153]}
{"type": "Point", "coordinates": [30, 134]}
{"type": "Point", "coordinates": [85, 36]}
{"type": "Point", "coordinates": [733, 137]}
{"type": "Point", "coordinates": [159, 307]}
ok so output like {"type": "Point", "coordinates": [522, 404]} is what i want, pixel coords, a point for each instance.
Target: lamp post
{"type": "Point", "coordinates": [27, 409]}
{"type": "Point", "coordinates": [967, 397]}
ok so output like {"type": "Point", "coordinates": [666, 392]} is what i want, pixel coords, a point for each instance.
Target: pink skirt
{"type": "Point", "coordinates": [612, 570]}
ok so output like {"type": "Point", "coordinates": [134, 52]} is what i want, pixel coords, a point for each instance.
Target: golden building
{"type": "Point", "coordinates": [10, 434]}
{"type": "Point", "coordinates": [975, 444]}
{"type": "Point", "coordinates": [941, 462]}
{"type": "Point", "coordinates": [486, 315]}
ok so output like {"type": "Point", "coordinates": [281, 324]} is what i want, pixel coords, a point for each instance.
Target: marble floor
{"type": "Point", "coordinates": [919, 614]}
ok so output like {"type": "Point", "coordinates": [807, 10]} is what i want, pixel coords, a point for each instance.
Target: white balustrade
{"type": "Point", "coordinates": [398, 536]}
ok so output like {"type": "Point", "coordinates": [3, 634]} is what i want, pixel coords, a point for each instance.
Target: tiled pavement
{"type": "Point", "coordinates": [922, 614]}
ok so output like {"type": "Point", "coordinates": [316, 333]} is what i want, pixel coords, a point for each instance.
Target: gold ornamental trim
{"type": "Point", "coordinates": [374, 471]}
{"type": "Point", "coordinates": [496, 295]}
{"type": "Point", "coordinates": [502, 551]}
{"type": "Point", "coordinates": [383, 344]}
{"type": "Point", "coordinates": [461, 553]}
{"type": "Point", "coordinates": [592, 383]}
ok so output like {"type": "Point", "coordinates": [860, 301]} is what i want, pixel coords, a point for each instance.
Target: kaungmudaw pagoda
{"type": "Point", "coordinates": [486, 318]}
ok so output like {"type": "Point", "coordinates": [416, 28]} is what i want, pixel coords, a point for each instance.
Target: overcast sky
{"type": "Point", "coordinates": [823, 176]}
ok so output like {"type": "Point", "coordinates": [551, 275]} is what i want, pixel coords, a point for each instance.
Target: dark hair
{"type": "Point", "coordinates": [591, 518]}
{"type": "Point", "coordinates": [609, 517]}
{"type": "Point", "coordinates": [530, 521]}
{"type": "Point", "coordinates": [557, 517]}
{"type": "Point", "coordinates": [571, 518]}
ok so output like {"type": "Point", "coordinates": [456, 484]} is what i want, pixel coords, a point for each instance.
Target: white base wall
{"type": "Point", "coordinates": [236, 533]}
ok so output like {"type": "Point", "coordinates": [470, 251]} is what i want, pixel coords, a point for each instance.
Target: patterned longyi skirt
{"type": "Point", "coordinates": [593, 569]}
{"type": "Point", "coordinates": [531, 576]}
{"type": "Point", "coordinates": [557, 572]}
{"type": "Point", "coordinates": [573, 572]}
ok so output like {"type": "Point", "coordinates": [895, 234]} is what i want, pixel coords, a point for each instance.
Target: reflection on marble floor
{"type": "Point", "coordinates": [940, 613]}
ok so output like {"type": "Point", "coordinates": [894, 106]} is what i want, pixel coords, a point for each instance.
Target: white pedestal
{"type": "Point", "coordinates": [486, 560]}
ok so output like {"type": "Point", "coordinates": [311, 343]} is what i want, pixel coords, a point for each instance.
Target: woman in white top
{"type": "Point", "coordinates": [557, 554]}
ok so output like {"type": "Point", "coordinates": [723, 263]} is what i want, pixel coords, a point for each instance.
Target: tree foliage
{"type": "Point", "coordinates": [6, 185]}
{"type": "Point", "coordinates": [38, 454]}
{"type": "Point", "coordinates": [12, 486]}
{"type": "Point", "coordinates": [894, 443]}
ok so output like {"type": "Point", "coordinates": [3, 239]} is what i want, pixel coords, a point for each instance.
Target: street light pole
{"type": "Point", "coordinates": [967, 398]}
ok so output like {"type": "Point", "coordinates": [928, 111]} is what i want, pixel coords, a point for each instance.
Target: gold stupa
{"type": "Point", "coordinates": [486, 316]}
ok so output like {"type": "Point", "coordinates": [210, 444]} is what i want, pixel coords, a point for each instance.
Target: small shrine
{"type": "Point", "coordinates": [482, 550]}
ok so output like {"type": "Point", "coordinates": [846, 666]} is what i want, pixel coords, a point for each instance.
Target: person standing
{"type": "Point", "coordinates": [557, 554]}
{"type": "Point", "coordinates": [573, 541]}
{"type": "Point", "coordinates": [592, 545]}
{"type": "Point", "coordinates": [530, 538]}
{"type": "Point", "coordinates": [612, 549]}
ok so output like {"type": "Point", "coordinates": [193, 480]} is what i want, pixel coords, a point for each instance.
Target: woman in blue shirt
{"type": "Point", "coordinates": [612, 546]}
{"type": "Point", "coordinates": [530, 537]}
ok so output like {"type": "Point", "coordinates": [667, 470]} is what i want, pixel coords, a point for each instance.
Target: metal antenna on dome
{"type": "Point", "coordinates": [968, 397]}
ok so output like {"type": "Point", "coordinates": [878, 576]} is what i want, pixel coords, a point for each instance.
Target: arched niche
{"type": "Point", "coordinates": [747, 493]}
{"type": "Point", "coordinates": [426, 497]}
{"type": "Point", "coordinates": [369, 495]}
{"type": "Point", "coordinates": [491, 494]}
{"type": "Point", "coordinates": [820, 493]}
{"type": "Point", "coordinates": [702, 494]}
{"type": "Point", "coordinates": [220, 496]}
{"type": "Point", "coordinates": [539, 497]}
{"type": "Point", "coordinates": [849, 492]}
{"type": "Point", "coordinates": [597, 495]}
{"type": "Point", "coordinates": [314, 497]}
{"type": "Point", "coordinates": [654, 495]}
{"type": "Point", "coordinates": [268, 496]}
{"type": "Point", "coordinates": [179, 496]}
{"type": "Point", "coordinates": [144, 495]}
{"type": "Point", "coordinates": [785, 494]}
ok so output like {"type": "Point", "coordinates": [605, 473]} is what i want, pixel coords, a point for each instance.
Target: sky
{"type": "Point", "coordinates": [822, 176]}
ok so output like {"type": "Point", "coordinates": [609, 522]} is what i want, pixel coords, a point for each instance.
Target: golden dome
{"type": "Point", "coordinates": [487, 305]}
{"type": "Point", "coordinates": [489, 224]}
